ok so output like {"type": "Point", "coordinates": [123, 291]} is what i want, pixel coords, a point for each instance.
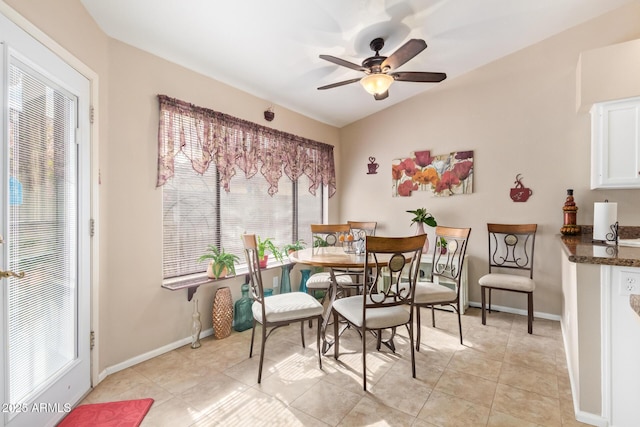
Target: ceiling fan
{"type": "Point", "coordinates": [378, 68]}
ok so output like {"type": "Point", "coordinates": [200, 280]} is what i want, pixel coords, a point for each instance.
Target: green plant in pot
{"type": "Point", "coordinates": [422, 217]}
{"type": "Point", "coordinates": [267, 245]}
{"type": "Point", "coordinates": [292, 247]}
{"type": "Point", "coordinates": [221, 262]}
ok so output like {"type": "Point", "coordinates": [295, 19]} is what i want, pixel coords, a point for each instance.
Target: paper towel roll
{"type": "Point", "coordinates": [604, 216]}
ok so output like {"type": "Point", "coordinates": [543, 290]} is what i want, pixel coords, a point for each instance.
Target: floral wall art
{"type": "Point", "coordinates": [443, 175]}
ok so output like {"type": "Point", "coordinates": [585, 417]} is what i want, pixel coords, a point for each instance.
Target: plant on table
{"type": "Point", "coordinates": [221, 262]}
{"type": "Point", "coordinates": [292, 247]}
{"type": "Point", "coordinates": [421, 216]}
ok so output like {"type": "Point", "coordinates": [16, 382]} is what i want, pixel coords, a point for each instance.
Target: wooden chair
{"type": "Point", "coordinates": [387, 302]}
{"type": "Point", "coordinates": [360, 227]}
{"type": "Point", "coordinates": [277, 310]}
{"type": "Point", "coordinates": [510, 249]}
{"type": "Point", "coordinates": [328, 235]}
{"type": "Point", "coordinates": [448, 260]}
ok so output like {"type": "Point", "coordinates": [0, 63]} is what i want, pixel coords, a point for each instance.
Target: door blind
{"type": "Point", "coordinates": [42, 228]}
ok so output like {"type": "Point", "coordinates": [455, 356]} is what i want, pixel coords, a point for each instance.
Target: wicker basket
{"type": "Point", "coordinates": [222, 313]}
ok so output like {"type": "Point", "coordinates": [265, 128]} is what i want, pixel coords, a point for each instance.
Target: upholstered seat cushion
{"type": "Point", "coordinates": [508, 281]}
{"type": "Point", "coordinates": [428, 292]}
{"type": "Point", "coordinates": [323, 280]}
{"type": "Point", "coordinates": [283, 307]}
{"type": "Point", "coordinates": [377, 318]}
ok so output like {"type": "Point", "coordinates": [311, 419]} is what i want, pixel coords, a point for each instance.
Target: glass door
{"type": "Point", "coordinates": [45, 260]}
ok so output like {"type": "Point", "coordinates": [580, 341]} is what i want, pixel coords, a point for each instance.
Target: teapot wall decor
{"type": "Point", "coordinates": [520, 193]}
{"type": "Point", "coordinates": [373, 166]}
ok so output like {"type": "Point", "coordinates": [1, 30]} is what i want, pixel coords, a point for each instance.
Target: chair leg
{"type": "Point", "coordinates": [253, 332]}
{"type": "Point", "coordinates": [459, 322]}
{"type": "Point", "coordinates": [483, 298]}
{"type": "Point", "coordinates": [264, 340]}
{"type": "Point", "coordinates": [302, 332]}
{"type": "Point", "coordinates": [336, 335]}
{"type": "Point", "coordinates": [418, 325]}
{"type": "Point", "coordinates": [319, 320]}
{"type": "Point", "coordinates": [433, 316]}
{"type": "Point", "coordinates": [530, 311]}
{"type": "Point", "coordinates": [413, 353]}
{"type": "Point", "coordinates": [364, 358]}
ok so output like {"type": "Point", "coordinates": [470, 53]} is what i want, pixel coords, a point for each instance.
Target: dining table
{"type": "Point", "coordinates": [338, 260]}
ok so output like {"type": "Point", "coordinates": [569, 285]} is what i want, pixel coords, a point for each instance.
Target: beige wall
{"type": "Point", "coordinates": [135, 205]}
{"type": "Point", "coordinates": [519, 116]}
{"type": "Point", "coordinates": [608, 73]}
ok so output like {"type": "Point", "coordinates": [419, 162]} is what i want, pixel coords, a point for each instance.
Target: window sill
{"type": "Point", "coordinates": [191, 282]}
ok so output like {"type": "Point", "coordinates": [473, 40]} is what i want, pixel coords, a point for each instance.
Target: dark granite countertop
{"type": "Point", "coordinates": [582, 249]}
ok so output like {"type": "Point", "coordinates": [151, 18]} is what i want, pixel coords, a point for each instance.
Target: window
{"type": "Point", "coordinates": [197, 212]}
{"type": "Point", "coordinates": [223, 176]}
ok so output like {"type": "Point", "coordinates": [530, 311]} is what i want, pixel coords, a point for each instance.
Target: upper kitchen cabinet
{"type": "Point", "coordinates": [615, 144]}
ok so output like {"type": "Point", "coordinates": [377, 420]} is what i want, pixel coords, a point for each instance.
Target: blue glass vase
{"type": "Point", "coordinates": [285, 280]}
{"type": "Point", "coordinates": [304, 276]}
{"type": "Point", "coordinates": [242, 315]}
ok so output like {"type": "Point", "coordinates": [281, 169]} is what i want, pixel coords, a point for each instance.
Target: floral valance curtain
{"type": "Point", "coordinates": [205, 136]}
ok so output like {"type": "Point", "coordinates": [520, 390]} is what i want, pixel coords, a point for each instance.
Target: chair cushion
{"type": "Point", "coordinates": [377, 318]}
{"type": "Point", "coordinates": [289, 306]}
{"type": "Point", "coordinates": [323, 280]}
{"type": "Point", "coordinates": [431, 293]}
{"type": "Point", "coordinates": [508, 281]}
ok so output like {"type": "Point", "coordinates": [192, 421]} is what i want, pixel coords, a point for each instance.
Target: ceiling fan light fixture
{"type": "Point", "coordinates": [376, 83]}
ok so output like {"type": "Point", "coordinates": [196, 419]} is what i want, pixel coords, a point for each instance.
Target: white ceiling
{"type": "Point", "coordinates": [270, 48]}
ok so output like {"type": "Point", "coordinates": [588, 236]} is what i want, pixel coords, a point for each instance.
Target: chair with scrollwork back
{"type": "Point", "coordinates": [363, 228]}
{"type": "Point", "coordinates": [510, 264]}
{"type": "Point", "coordinates": [277, 310]}
{"type": "Point", "coordinates": [446, 274]}
{"type": "Point", "coordinates": [387, 298]}
{"type": "Point", "coordinates": [324, 235]}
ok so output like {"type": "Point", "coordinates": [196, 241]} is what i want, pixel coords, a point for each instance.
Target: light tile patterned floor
{"type": "Point", "coordinates": [501, 376]}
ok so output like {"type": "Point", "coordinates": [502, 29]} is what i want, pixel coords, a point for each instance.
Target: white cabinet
{"type": "Point", "coordinates": [622, 354]}
{"type": "Point", "coordinates": [615, 144]}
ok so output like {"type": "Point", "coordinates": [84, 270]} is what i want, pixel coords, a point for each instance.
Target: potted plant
{"type": "Point", "coordinates": [292, 247]}
{"type": "Point", "coordinates": [442, 244]}
{"type": "Point", "coordinates": [422, 217]}
{"type": "Point", "coordinates": [267, 245]}
{"type": "Point", "coordinates": [221, 263]}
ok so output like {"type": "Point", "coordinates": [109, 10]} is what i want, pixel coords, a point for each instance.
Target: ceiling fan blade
{"type": "Point", "coordinates": [381, 96]}
{"type": "Point", "coordinates": [342, 62]}
{"type": "Point", "coordinates": [418, 76]}
{"type": "Point", "coordinates": [332, 85]}
{"type": "Point", "coordinates": [404, 53]}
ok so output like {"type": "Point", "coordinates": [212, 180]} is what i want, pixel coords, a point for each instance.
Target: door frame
{"type": "Point", "coordinates": [94, 172]}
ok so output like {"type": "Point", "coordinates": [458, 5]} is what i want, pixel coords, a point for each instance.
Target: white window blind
{"type": "Point", "coordinates": [42, 227]}
{"type": "Point", "coordinates": [198, 212]}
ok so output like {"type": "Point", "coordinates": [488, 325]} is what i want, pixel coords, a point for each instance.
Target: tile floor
{"type": "Point", "coordinates": [501, 376]}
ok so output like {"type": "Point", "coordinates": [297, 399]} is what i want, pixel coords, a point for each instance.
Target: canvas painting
{"type": "Point", "coordinates": [443, 175]}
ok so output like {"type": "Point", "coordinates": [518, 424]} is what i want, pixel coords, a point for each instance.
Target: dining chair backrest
{"type": "Point", "coordinates": [253, 264]}
{"type": "Point", "coordinates": [393, 284]}
{"type": "Point", "coordinates": [449, 253]}
{"type": "Point", "coordinates": [361, 229]}
{"type": "Point", "coordinates": [511, 246]}
{"type": "Point", "coordinates": [329, 234]}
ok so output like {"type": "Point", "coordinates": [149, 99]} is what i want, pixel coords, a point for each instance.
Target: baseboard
{"type": "Point", "coordinates": [511, 310]}
{"type": "Point", "coordinates": [149, 355]}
